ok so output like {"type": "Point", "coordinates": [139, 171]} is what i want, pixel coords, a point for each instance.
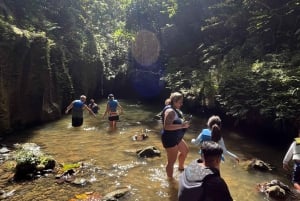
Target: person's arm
{"type": "Point", "coordinates": [168, 121]}
{"type": "Point", "coordinates": [106, 110]}
{"type": "Point", "coordinates": [225, 151]}
{"type": "Point", "coordinates": [89, 109]}
{"type": "Point", "coordinates": [69, 107]}
{"type": "Point", "coordinates": [198, 140]}
{"type": "Point", "coordinates": [121, 108]}
{"type": "Point", "coordinates": [288, 156]}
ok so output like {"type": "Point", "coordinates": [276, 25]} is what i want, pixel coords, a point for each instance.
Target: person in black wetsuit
{"type": "Point", "coordinates": [201, 180]}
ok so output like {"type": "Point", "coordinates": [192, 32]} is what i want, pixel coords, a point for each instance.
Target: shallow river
{"type": "Point", "coordinates": [112, 156]}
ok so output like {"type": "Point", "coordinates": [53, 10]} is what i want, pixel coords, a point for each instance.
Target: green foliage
{"type": "Point", "coordinates": [67, 167]}
{"type": "Point", "coordinates": [267, 88]}
{"type": "Point", "coordinates": [27, 156]}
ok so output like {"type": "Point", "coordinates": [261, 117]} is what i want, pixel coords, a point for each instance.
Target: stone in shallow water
{"type": "Point", "coordinates": [4, 150]}
{"type": "Point", "coordinates": [114, 195]}
{"type": "Point", "coordinates": [79, 181]}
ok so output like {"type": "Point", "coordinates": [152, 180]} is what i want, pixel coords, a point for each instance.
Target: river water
{"type": "Point", "coordinates": [111, 154]}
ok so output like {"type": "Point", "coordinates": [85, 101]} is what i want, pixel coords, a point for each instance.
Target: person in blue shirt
{"type": "Point", "coordinates": [77, 107]}
{"type": "Point", "coordinates": [113, 110]}
{"type": "Point", "coordinates": [213, 133]}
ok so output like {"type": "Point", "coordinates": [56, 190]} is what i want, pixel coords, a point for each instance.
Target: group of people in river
{"type": "Point", "coordinates": [200, 179]}
{"type": "Point", "coordinates": [113, 110]}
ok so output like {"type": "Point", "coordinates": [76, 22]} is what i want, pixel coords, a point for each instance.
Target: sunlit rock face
{"type": "Point", "coordinates": [27, 85]}
{"type": "Point", "coordinates": [37, 81]}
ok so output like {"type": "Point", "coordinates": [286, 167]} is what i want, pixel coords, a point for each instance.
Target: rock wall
{"type": "Point", "coordinates": [37, 81]}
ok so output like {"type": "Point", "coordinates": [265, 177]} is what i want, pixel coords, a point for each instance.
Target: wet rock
{"type": "Point", "coordinates": [31, 162]}
{"type": "Point", "coordinates": [275, 189]}
{"type": "Point", "coordinates": [79, 181]}
{"type": "Point", "coordinates": [5, 195]}
{"type": "Point", "coordinates": [148, 152]}
{"type": "Point", "coordinates": [260, 165]}
{"type": "Point", "coordinates": [115, 195]}
{"type": "Point", "coordinates": [4, 150]}
{"type": "Point", "coordinates": [140, 137]}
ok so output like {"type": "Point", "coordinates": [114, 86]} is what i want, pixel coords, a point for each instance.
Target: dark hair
{"type": "Point", "coordinates": [214, 120]}
{"type": "Point", "coordinates": [211, 149]}
{"type": "Point", "coordinates": [215, 133]}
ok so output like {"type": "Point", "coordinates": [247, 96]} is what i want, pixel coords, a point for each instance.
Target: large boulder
{"type": "Point", "coordinates": [148, 152]}
{"type": "Point", "coordinates": [275, 189]}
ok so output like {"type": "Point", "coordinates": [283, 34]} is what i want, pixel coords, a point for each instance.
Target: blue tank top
{"type": "Point", "coordinates": [113, 104]}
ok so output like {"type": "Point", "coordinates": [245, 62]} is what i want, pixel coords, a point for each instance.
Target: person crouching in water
{"type": "Point", "coordinates": [77, 107]}
{"type": "Point", "coordinates": [172, 135]}
{"type": "Point", "coordinates": [112, 107]}
{"type": "Point", "coordinates": [202, 181]}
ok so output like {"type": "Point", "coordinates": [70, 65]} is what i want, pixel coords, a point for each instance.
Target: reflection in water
{"type": "Point", "coordinates": [110, 158]}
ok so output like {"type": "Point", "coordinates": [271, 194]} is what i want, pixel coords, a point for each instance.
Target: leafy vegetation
{"type": "Point", "coordinates": [240, 56]}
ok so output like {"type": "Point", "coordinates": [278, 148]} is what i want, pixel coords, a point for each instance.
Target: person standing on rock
{"type": "Point", "coordinates": [77, 107]}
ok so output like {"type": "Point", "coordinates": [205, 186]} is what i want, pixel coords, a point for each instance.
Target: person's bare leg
{"type": "Point", "coordinates": [172, 157]}
{"type": "Point", "coordinates": [114, 124]}
{"type": "Point", "coordinates": [111, 124]}
{"type": "Point", "coordinates": [297, 186]}
{"type": "Point", "coordinates": [183, 151]}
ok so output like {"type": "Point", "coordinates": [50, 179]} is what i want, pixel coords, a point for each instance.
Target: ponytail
{"type": "Point", "coordinates": [215, 133]}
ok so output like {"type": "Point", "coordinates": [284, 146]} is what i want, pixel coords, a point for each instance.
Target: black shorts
{"type": "Point", "coordinates": [77, 121]}
{"type": "Point", "coordinates": [169, 140]}
{"type": "Point", "coordinates": [113, 118]}
{"type": "Point", "coordinates": [172, 138]}
{"type": "Point", "coordinates": [296, 173]}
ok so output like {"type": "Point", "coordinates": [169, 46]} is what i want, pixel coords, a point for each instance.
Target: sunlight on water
{"type": "Point", "coordinates": [110, 160]}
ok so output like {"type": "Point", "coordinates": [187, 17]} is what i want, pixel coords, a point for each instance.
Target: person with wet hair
{"type": "Point", "coordinates": [113, 110]}
{"type": "Point", "coordinates": [213, 133]}
{"type": "Point", "coordinates": [77, 107]}
{"type": "Point", "coordinates": [93, 106]}
{"type": "Point", "coordinates": [201, 179]}
{"type": "Point", "coordinates": [174, 128]}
